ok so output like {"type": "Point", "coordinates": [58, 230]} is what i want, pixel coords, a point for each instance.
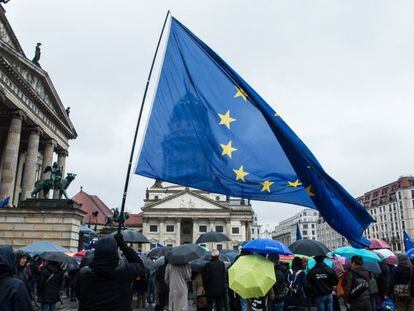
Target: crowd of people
{"type": "Point", "coordinates": [108, 281]}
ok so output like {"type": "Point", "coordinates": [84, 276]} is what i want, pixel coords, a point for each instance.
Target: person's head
{"type": "Point", "coordinates": [21, 258]}
{"type": "Point", "coordinates": [356, 262]}
{"type": "Point", "coordinates": [215, 254]}
{"type": "Point", "coordinates": [297, 264]}
{"type": "Point", "coordinates": [7, 260]}
{"type": "Point", "coordinates": [319, 259]}
{"type": "Point", "coordinates": [245, 252]}
{"type": "Point", "coordinates": [403, 261]}
{"type": "Point", "coordinates": [23, 261]}
{"type": "Point", "coordinates": [105, 256]}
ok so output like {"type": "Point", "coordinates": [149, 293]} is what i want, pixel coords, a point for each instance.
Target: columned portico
{"type": "Point", "coordinates": [11, 154]}
{"type": "Point", "coordinates": [29, 174]}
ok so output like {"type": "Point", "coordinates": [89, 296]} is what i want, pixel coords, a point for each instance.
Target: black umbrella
{"type": "Point", "coordinates": [212, 236]}
{"type": "Point", "coordinates": [198, 264]}
{"type": "Point", "coordinates": [58, 257]}
{"type": "Point", "coordinates": [309, 248]}
{"type": "Point", "coordinates": [131, 236]}
{"type": "Point", "coordinates": [159, 251]}
{"type": "Point", "coordinates": [183, 254]}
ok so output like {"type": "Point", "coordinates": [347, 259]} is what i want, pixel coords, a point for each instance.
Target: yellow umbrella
{"type": "Point", "coordinates": [252, 276]}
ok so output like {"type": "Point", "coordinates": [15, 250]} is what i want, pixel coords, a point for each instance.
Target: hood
{"type": "Point", "coordinates": [105, 258]}
{"type": "Point", "coordinates": [7, 259]}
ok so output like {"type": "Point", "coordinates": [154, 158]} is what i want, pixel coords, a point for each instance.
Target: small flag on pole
{"type": "Point", "coordinates": [298, 234]}
{"type": "Point", "coordinates": [408, 242]}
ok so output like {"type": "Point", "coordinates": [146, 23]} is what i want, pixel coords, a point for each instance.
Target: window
{"type": "Point", "coordinates": [305, 226]}
{"type": "Point", "coordinates": [219, 247]}
{"type": "Point", "coordinates": [152, 245]}
{"type": "Point", "coordinates": [252, 231]}
{"type": "Point", "coordinates": [153, 228]}
{"type": "Point", "coordinates": [170, 228]}
{"type": "Point", "coordinates": [219, 229]}
{"type": "Point", "coordinates": [235, 230]}
{"type": "Point", "coordinates": [305, 232]}
{"type": "Point", "coordinates": [313, 232]}
{"type": "Point", "coordinates": [313, 226]}
{"type": "Point", "coordinates": [169, 245]}
{"type": "Point", "coordinates": [202, 228]}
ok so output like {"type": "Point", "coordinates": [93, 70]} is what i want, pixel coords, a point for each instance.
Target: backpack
{"type": "Point", "coordinates": [359, 285]}
{"type": "Point", "coordinates": [295, 286]}
{"type": "Point", "coordinates": [402, 291]}
{"type": "Point", "coordinates": [281, 287]}
{"type": "Point", "coordinates": [258, 304]}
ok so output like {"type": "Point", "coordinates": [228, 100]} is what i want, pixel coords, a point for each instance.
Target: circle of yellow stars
{"type": "Point", "coordinates": [227, 150]}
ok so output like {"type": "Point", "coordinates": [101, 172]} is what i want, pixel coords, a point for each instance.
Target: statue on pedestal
{"type": "Point", "coordinates": [56, 182]}
{"type": "Point", "coordinates": [116, 218]}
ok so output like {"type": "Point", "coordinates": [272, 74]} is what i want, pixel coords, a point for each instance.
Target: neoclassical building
{"type": "Point", "coordinates": [173, 215]}
{"type": "Point", "coordinates": [35, 128]}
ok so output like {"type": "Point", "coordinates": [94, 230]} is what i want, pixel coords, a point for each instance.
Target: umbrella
{"type": "Point", "coordinates": [312, 263]}
{"type": "Point", "coordinates": [252, 276]}
{"type": "Point", "coordinates": [159, 251]}
{"type": "Point", "coordinates": [57, 257]}
{"type": "Point", "coordinates": [229, 254]}
{"type": "Point", "coordinates": [80, 254]}
{"type": "Point", "coordinates": [148, 263]}
{"type": "Point", "coordinates": [131, 236]}
{"type": "Point", "coordinates": [84, 229]}
{"type": "Point", "coordinates": [198, 264]}
{"type": "Point", "coordinates": [309, 248]}
{"type": "Point", "coordinates": [267, 246]}
{"type": "Point", "coordinates": [378, 244]}
{"type": "Point", "coordinates": [372, 267]}
{"type": "Point", "coordinates": [388, 256]}
{"type": "Point", "coordinates": [212, 236]}
{"type": "Point", "coordinates": [348, 252]}
{"type": "Point", "coordinates": [158, 263]}
{"type": "Point", "coordinates": [37, 248]}
{"type": "Point", "coordinates": [183, 254]}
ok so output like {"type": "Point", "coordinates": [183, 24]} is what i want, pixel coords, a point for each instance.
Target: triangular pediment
{"type": "Point", "coordinates": [38, 83]}
{"type": "Point", "coordinates": [7, 35]}
{"type": "Point", "coordinates": [186, 200]}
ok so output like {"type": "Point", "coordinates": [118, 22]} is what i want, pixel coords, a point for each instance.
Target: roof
{"type": "Point", "coordinates": [134, 220]}
{"type": "Point", "coordinates": [90, 204]}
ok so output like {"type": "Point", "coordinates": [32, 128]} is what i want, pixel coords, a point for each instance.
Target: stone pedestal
{"type": "Point", "coordinates": [56, 221]}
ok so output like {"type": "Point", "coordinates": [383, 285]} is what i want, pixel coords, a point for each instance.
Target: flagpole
{"type": "Point", "coordinates": [131, 157]}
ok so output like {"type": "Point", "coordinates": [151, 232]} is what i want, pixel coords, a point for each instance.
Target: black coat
{"type": "Point", "coordinates": [50, 283]}
{"type": "Point", "coordinates": [214, 278]}
{"type": "Point", "coordinates": [322, 279]}
{"type": "Point", "coordinates": [13, 291]}
{"type": "Point", "coordinates": [106, 283]}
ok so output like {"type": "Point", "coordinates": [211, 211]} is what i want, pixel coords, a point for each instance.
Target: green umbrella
{"type": "Point", "coordinates": [252, 276]}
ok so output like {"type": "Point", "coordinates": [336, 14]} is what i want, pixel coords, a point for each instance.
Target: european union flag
{"type": "Point", "coordinates": [408, 242]}
{"type": "Point", "coordinates": [210, 130]}
{"type": "Point", "coordinates": [298, 234]}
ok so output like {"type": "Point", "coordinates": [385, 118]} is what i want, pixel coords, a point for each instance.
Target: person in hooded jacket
{"type": "Point", "coordinates": [13, 291]}
{"type": "Point", "coordinates": [403, 275]}
{"type": "Point", "coordinates": [214, 280]}
{"type": "Point", "coordinates": [49, 285]}
{"type": "Point", "coordinates": [322, 281]}
{"type": "Point", "coordinates": [107, 282]}
{"type": "Point", "coordinates": [358, 300]}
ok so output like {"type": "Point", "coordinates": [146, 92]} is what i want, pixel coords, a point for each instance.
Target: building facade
{"type": "Point", "coordinates": [35, 126]}
{"type": "Point", "coordinates": [391, 206]}
{"type": "Point", "coordinates": [173, 215]}
{"type": "Point", "coordinates": [306, 219]}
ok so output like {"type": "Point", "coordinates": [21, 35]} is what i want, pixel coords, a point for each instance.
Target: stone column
{"type": "Point", "coordinates": [211, 224]}
{"type": "Point", "coordinates": [62, 163]}
{"type": "Point", "coordinates": [29, 174]}
{"type": "Point", "coordinates": [228, 231]}
{"type": "Point", "coordinates": [195, 229]}
{"type": "Point", "coordinates": [47, 160]}
{"type": "Point", "coordinates": [18, 188]}
{"type": "Point", "coordinates": [145, 247]}
{"type": "Point", "coordinates": [11, 154]}
{"type": "Point", "coordinates": [178, 233]}
{"type": "Point", "coordinates": [161, 235]}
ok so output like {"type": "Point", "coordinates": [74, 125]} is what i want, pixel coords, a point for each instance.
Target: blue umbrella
{"type": "Point", "coordinates": [37, 248]}
{"type": "Point", "coordinates": [348, 252]}
{"type": "Point", "coordinates": [267, 246]}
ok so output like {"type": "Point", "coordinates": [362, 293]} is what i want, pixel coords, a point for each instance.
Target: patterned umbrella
{"type": "Point", "coordinates": [388, 256]}
{"type": "Point", "coordinates": [378, 244]}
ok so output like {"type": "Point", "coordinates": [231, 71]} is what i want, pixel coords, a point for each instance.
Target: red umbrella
{"type": "Point", "coordinates": [80, 254]}
{"type": "Point", "coordinates": [379, 244]}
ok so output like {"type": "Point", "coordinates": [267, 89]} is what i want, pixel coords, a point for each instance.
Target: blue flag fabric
{"type": "Point", "coordinates": [4, 202]}
{"type": "Point", "coordinates": [210, 130]}
{"type": "Point", "coordinates": [298, 234]}
{"type": "Point", "coordinates": [408, 242]}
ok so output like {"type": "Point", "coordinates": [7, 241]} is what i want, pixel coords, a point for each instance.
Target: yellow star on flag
{"type": "Point", "coordinates": [240, 93]}
{"type": "Point", "coordinates": [225, 119]}
{"type": "Point", "coordinates": [227, 149]}
{"type": "Point", "coordinates": [277, 115]}
{"type": "Point", "coordinates": [266, 185]}
{"type": "Point", "coordinates": [240, 174]}
{"type": "Point", "coordinates": [309, 192]}
{"type": "Point", "coordinates": [294, 184]}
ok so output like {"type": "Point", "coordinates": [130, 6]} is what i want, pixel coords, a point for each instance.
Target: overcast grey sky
{"type": "Point", "coordinates": [340, 73]}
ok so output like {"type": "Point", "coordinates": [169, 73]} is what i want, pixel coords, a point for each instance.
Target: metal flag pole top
{"type": "Point", "coordinates": [124, 196]}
